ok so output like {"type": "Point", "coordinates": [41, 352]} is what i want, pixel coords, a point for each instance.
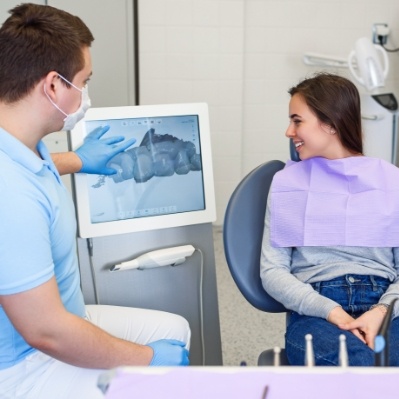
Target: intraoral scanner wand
{"type": "Point", "coordinates": [160, 257]}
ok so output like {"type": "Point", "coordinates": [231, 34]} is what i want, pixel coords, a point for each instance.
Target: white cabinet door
{"type": "Point", "coordinates": [111, 22]}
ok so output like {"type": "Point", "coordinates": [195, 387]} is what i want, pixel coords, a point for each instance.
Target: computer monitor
{"type": "Point", "coordinates": [164, 180]}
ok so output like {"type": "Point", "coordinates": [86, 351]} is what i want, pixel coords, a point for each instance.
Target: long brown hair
{"type": "Point", "coordinates": [36, 40]}
{"type": "Point", "coordinates": [335, 101]}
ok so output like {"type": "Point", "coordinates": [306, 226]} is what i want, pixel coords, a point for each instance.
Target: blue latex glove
{"type": "Point", "coordinates": [169, 352]}
{"type": "Point", "coordinates": [95, 153]}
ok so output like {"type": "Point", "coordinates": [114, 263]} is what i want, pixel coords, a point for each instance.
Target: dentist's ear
{"type": "Point", "coordinates": [51, 83]}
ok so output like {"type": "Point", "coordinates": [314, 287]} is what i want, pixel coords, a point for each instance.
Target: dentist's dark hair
{"type": "Point", "coordinates": [35, 40]}
{"type": "Point", "coordinates": [335, 101]}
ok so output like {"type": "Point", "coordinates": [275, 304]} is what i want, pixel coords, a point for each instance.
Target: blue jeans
{"type": "Point", "coordinates": [355, 293]}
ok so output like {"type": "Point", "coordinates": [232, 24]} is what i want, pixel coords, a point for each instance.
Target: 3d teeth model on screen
{"type": "Point", "coordinates": [157, 155]}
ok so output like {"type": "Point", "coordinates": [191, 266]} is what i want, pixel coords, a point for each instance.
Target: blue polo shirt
{"type": "Point", "coordinates": [37, 236]}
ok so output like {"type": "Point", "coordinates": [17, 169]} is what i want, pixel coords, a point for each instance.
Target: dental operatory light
{"type": "Point", "coordinates": [372, 72]}
{"type": "Point", "coordinates": [367, 67]}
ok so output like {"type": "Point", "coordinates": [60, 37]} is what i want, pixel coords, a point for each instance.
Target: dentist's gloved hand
{"type": "Point", "coordinates": [169, 352]}
{"type": "Point", "coordinates": [95, 153]}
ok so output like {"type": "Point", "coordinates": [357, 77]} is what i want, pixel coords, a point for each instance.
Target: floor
{"type": "Point", "coordinates": [245, 331]}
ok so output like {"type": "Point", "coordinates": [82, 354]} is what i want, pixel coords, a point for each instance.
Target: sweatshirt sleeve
{"type": "Point", "coordinates": [277, 280]}
{"type": "Point", "coordinates": [393, 290]}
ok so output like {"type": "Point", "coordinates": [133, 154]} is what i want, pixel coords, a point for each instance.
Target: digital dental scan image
{"type": "Point", "coordinates": [160, 174]}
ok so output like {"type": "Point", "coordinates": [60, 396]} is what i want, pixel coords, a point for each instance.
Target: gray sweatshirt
{"type": "Point", "coordinates": [287, 273]}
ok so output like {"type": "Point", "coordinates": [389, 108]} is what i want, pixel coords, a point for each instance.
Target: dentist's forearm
{"type": "Point", "coordinates": [67, 162]}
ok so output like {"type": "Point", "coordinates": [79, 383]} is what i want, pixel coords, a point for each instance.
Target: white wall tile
{"type": "Point", "coordinates": [231, 66]}
{"type": "Point", "coordinates": [205, 66]}
{"type": "Point", "coordinates": [179, 91]}
{"type": "Point", "coordinates": [266, 91]}
{"type": "Point", "coordinates": [231, 40]}
{"type": "Point", "coordinates": [349, 10]}
{"type": "Point", "coordinates": [227, 169]}
{"type": "Point", "coordinates": [327, 15]}
{"type": "Point", "coordinates": [153, 66]}
{"type": "Point", "coordinates": [153, 91]}
{"type": "Point", "coordinates": [178, 12]}
{"type": "Point", "coordinates": [256, 12]}
{"type": "Point", "coordinates": [153, 12]}
{"type": "Point", "coordinates": [179, 39]}
{"type": "Point", "coordinates": [153, 39]}
{"type": "Point", "coordinates": [231, 13]}
{"type": "Point", "coordinates": [205, 91]}
{"type": "Point", "coordinates": [179, 66]}
{"type": "Point", "coordinates": [230, 93]}
{"type": "Point", "coordinates": [206, 40]}
{"type": "Point", "coordinates": [206, 13]}
{"type": "Point", "coordinates": [227, 143]}
{"type": "Point", "coordinates": [230, 118]}
{"type": "Point", "coordinates": [214, 120]}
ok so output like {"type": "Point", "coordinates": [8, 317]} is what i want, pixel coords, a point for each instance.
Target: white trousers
{"type": "Point", "coordinates": [41, 377]}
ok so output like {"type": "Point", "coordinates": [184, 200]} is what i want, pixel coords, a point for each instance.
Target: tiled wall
{"type": "Point", "coordinates": [241, 56]}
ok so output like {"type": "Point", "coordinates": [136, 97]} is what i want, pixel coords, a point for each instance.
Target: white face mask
{"type": "Point", "coordinates": [72, 119]}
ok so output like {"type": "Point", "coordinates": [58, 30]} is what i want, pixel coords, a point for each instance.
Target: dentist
{"type": "Point", "coordinates": [51, 344]}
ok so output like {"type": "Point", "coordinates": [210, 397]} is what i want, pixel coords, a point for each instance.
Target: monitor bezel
{"type": "Point", "coordinates": [87, 229]}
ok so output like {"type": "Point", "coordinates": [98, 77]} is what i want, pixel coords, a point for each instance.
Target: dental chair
{"type": "Point", "coordinates": [242, 239]}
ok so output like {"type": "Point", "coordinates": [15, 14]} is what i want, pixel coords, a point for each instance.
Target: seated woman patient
{"type": "Point", "coordinates": [330, 247]}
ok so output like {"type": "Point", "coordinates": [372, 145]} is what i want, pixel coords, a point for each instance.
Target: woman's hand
{"type": "Point", "coordinates": [340, 318]}
{"type": "Point", "coordinates": [367, 324]}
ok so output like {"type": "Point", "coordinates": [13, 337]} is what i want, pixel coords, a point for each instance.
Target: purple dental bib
{"type": "Point", "coordinates": [350, 201]}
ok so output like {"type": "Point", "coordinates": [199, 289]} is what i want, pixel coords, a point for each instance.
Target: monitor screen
{"type": "Point", "coordinates": [165, 179]}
